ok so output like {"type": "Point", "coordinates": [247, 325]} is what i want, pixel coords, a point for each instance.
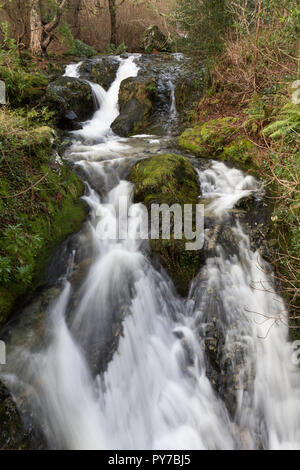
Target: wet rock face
{"type": "Point", "coordinates": [72, 99]}
{"type": "Point", "coordinates": [100, 70]}
{"type": "Point", "coordinates": [136, 104]}
{"type": "Point", "coordinates": [226, 361]}
{"type": "Point", "coordinates": [13, 435]}
{"type": "Point", "coordinates": [146, 100]}
{"type": "Point", "coordinates": [226, 351]}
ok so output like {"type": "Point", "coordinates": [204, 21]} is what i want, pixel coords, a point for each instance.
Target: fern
{"type": "Point", "coordinates": [288, 123]}
{"type": "Point", "coordinates": [5, 270]}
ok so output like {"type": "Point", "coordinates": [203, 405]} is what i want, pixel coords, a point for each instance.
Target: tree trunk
{"type": "Point", "coordinates": [113, 21]}
{"type": "Point", "coordinates": [41, 34]}
{"type": "Point", "coordinates": [77, 17]}
{"type": "Point", "coordinates": [36, 28]}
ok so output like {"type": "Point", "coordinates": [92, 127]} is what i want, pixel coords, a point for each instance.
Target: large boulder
{"type": "Point", "coordinates": [147, 101]}
{"type": "Point", "coordinates": [72, 100]}
{"type": "Point", "coordinates": [100, 70]}
{"type": "Point", "coordinates": [154, 40]}
{"type": "Point", "coordinates": [169, 179]}
{"type": "Point", "coordinates": [136, 102]}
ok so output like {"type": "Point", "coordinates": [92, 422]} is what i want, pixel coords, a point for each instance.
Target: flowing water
{"type": "Point", "coordinates": [153, 389]}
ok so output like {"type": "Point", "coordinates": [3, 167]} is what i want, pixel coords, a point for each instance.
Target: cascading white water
{"type": "Point", "coordinates": [155, 392]}
{"type": "Point", "coordinates": [72, 70]}
{"type": "Point", "coordinates": [173, 108]}
{"type": "Point", "coordinates": [256, 318]}
{"type": "Point", "coordinates": [225, 187]}
{"type": "Point", "coordinates": [99, 126]}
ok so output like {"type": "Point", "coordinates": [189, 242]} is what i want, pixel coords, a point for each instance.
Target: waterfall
{"type": "Point", "coordinates": [154, 391]}
{"type": "Point", "coordinates": [72, 70]}
{"type": "Point", "coordinates": [254, 319]}
{"type": "Point", "coordinates": [99, 126]}
{"type": "Point", "coordinates": [173, 108]}
{"type": "Point", "coordinates": [99, 95]}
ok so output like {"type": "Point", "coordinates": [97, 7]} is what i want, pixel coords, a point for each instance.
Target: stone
{"type": "Point", "coordinates": [70, 95]}
{"type": "Point", "coordinates": [145, 100]}
{"type": "Point", "coordinates": [13, 435]}
{"type": "Point", "coordinates": [169, 179]}
{"type": "Point", "coordinates": [100, 70]}
{"type": "Point", "coordinates": [135, 102]}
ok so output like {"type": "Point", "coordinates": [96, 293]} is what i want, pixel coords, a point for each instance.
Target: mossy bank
{"type": "Point", "coordinates": [263, 139]}
{"type": "Point", "coordinates": [220, 139]}
{"type": "Point", "coordinates": [39, 204]}
{"type": "Point", "coordinates": [169, 179]}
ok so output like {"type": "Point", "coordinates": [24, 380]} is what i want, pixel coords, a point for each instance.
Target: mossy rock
{"type": "Point", "coordinates": [104, 72]}
{"type": "Point", "coordinates": [240, 151]}
{"type": "Point", "coordinates": [101, 70]}
{"type": "Point", "coordinates": [208, 139]}
{"type": "Point", "coordinates": [189, 88]}
{"type": "Point", "coordinates": [135, 101]}
{"type": "Point", "coordinates": [70, 95]}
{"type": "Point", "coordinates": [169, 179]}
{"type": "Point", "coordinates": [53, 225]}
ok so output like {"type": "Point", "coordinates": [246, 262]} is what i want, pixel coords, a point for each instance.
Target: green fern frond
{"type": "Point", "coordinates": [288, 122]}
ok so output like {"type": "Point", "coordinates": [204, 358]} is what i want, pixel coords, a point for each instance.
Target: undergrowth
{"type": "Point", "coordinates": [255, 80]}
{"type": "Point", "coordinates": [38, 203]}
{"type": "Point", "coordinates": [39, 194]}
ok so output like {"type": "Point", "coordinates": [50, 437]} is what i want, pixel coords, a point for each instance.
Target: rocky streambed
{"type": "Point", "coordinates": [120, 308]}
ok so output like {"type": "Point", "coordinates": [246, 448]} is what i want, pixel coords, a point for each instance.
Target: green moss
{"type": "Point", "coordinates": [166, 179]}
{"type": "Point", "coordinates": [7, 300]}
{"type": "Point", "coordinates": [23, 86]}
{"type": "Point", "coordinates": [240, 151]}
{"type": "Point", "coordinates": [39, 202]}
{"type": "Point", "coordinates": [151, 87]}
{"type": "Point", "coordinates": [143, 91]}
{"type": "Point", "coordinates": [67, 217]}
{"type": "Point", "coordinates": [209, 139]}
{"type": "Point", "coordinates": [169, 179]}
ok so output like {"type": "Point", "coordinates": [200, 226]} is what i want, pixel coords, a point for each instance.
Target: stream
{"type": "Point", "coordinates": [116, 359]}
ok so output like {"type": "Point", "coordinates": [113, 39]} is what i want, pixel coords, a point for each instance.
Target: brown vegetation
{"type": "Point", "coordinates": [90, 21]}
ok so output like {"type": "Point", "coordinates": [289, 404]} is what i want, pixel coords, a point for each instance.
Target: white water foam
{"type": "Point", "coordinates": [154, 393]}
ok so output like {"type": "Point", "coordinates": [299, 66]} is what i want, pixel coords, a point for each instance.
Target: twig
{"type": "Point", "coordinates": [26, 190]}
